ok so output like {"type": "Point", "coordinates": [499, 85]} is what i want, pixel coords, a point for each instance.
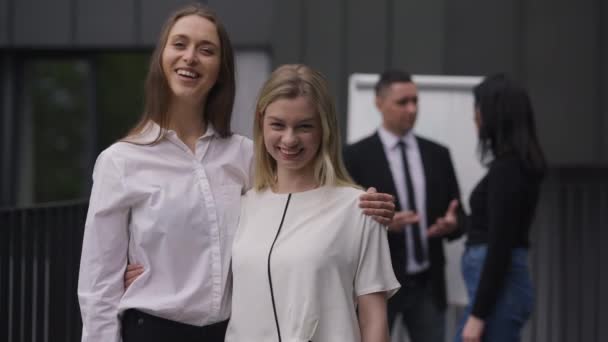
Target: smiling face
{"type": "Point", "coordinates": [191, 58]}
{"type": "Point", "coordinates": [292, 135]}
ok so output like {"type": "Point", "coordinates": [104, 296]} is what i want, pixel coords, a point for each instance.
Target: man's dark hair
{"type": "Point", "coordinates": [389, 77]}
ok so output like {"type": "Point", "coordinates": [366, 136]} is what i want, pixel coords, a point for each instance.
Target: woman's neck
{"type": "Point", "coordinates": [187, 122]}
{"type": "Point", "coordinates": [290, 181]}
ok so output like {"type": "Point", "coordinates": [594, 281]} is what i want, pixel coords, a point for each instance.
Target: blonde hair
{"type": "Point", "coordinates": [289, 82]}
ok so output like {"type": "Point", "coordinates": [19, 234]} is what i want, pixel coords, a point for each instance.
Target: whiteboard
{"type": "Point", "coordinates": [445, 115]}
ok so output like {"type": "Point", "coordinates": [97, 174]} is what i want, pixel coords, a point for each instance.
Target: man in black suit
{"type": "Point", "coordinates": [395, 161]}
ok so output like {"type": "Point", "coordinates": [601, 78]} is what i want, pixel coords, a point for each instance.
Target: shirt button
{"type": "Point", "coordinates": [140, 321]}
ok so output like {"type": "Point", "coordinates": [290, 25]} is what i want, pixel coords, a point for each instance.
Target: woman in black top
{"type": "Point", "coordinates": [494, 264]}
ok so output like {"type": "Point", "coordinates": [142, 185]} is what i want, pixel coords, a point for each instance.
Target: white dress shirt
{"type": "Point", "coordinates": [390, 143]}
{"type": "Point", "coordinates": [171, 210]}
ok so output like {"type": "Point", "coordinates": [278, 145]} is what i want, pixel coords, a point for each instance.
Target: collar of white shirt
{"type": "Point", "coordinates": [152, 130]}
{"type": "Point", "coordinates": [391, 140]}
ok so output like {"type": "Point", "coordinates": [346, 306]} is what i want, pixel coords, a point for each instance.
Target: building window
{"type": "Point", "coordinates": [73, 107]}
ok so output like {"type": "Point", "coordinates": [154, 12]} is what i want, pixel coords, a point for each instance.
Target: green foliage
{"type": "Point", "coordinates": [57, 90]}
{"type": "Point", "coordinates": [65, 130]}
{"type": "Point", "coordinates": [120, 94]}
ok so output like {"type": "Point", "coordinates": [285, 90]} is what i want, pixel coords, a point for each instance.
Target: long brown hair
{"type": "Point", "coordinates": [220, 99]}
{"type": "Point", "coordinates": [289, 82]}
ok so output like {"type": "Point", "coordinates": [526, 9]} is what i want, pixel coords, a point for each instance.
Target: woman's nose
{"type": "Point", "coordinates": [190, 56]}
{"type": "Point", "coordinates": [290, 138]}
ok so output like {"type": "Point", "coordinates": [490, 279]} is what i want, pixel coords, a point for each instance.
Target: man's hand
{"type": "Point", "coordinates": [446, 224]}
{"type": "Point", "coordinates": [133, 272]}
{"type": "Point", "coordinates": [378, 205]}
{"type": "Point", "coordinates": [402, 219]}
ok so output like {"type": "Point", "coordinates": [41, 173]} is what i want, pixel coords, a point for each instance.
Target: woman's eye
{"type": "Point", "coordinates": [179, 44]}
{"type": "Point", "coordinates": [306, 127]}
{"type": "Point", "coordinates": [207, 51]}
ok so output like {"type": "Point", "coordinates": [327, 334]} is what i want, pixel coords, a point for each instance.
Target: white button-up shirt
{"type": "Point", "coordinates": [393, 154]}
{"type": "Point", "coordinates": [171, 210]}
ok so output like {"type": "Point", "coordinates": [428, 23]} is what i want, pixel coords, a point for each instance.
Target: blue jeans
{"type": "Point", "coordinates": [515, 301]}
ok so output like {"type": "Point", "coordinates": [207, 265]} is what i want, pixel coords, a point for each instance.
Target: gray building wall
{"type": "Point", "coordinates": [4, 22]}
{"type": "Point", "coordinates": [109, 22]}
{"type": "Point", "coordinates": [555, 47]}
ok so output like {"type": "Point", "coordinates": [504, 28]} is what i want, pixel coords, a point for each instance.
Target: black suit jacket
{"type": "Point", "coordinates": [367, 164]}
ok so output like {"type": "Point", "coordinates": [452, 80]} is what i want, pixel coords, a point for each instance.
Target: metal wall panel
{"type": "Point", "coordinates": [367, 31]}
{"type": "Point", "coordinates": [153, 16]}
{"type": "Point", "coordinates": [287, 32]}
{"type": "Point", "coordinates": [561, 69]}
{"type": "Point", "coordinates": [418, 34]}
{"type": "Point", "coordinates": [43, 23]}
{"type": "Point", "coordinates": [571, 324]}
{"type": "Point", "coordinates": [5, 100]}
{"type": "Point", "coordinates": [568, 257]}
{"type": "Point", "coordinates": [602, 18]}
{"type": "Point", "coordinates": [4, 22]}
{"type": "Point", "coordinates": [602, 295]}
{"type": "Point", "coordinates": [589, 265]}
{"type": "Point", "coordinates": [107, 23]}
{"type": "Point", "coordinates": [482, 37]}
{"type": "Point", "coordinates": [248, 22]}
{"type": "Point", "coordinates": [324, 44]}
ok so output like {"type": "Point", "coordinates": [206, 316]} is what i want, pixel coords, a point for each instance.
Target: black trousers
{"type": "Point", "coordinates": [423, 320]}
{"type": "Point", "coordinates": [138, 326]}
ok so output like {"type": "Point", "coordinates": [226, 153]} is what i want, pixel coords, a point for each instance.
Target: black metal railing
{"type": "Point", "coordinates": [40, 249]}
{"type": "Point", "coordinates": [570, 257]}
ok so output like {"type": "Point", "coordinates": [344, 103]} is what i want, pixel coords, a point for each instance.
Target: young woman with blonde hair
{"type": "Point", "coordinates": [167, 197]}
{"type": "Point", "coordinates": [304, 257]}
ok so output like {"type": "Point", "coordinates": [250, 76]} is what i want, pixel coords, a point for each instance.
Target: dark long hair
{"type": "Point", "coordinates": [220, 100]}
{"type": "Point", "coordinates": [507, 123]}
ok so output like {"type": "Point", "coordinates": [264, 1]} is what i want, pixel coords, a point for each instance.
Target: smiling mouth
{"type": "Point", "coordinates": [187, 73]}
{"type": "Point", "coordinates": [290, 154]}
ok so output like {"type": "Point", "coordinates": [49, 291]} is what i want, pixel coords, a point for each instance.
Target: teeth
{"type": "Point", "coordinates": [186, 73]}
{"type": "Point", "coordinates": [290, 152]}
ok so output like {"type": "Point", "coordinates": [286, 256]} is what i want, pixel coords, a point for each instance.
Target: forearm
{"type": "Point", "coordinates": [372, 318]}
{"type": "Point", "coordinates": [374, 332]}
{"type": "Point", "coordinates": [492, 278]}
{"type": "Point", "coordinates": [504, 211]}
